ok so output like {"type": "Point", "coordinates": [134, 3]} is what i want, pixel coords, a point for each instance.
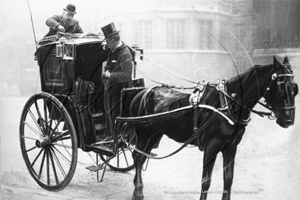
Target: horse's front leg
{"type": "Point", "coordinates": [228, 170]}
{"type": "Point", "coordinates": [209, 159]}
{"type": "Point", "coordinates": [139, 160]}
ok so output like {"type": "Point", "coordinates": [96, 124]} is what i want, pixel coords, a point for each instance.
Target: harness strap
{"type": "Point", "coordinates": [195, 99]}
{"type": "Point", "coordinates": [143, 103]}
{"type": "Point", "coordinates": [269, 86]}
{"type": "Point", "coordinates": [260, 113]}
{"type": "Point", "coordinates": [193, 137]}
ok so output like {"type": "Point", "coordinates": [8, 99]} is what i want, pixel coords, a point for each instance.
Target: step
{"type": "Point", "coordinates": [94, 168]}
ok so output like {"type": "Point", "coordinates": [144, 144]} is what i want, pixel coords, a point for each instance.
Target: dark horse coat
{"type": "Point", "coordinates": [274, 82]}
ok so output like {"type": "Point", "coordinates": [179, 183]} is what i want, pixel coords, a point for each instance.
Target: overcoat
{"type": "Point", "coordinates": [119, 64]}
{"type": "Point", "coordinates": [56, 20]}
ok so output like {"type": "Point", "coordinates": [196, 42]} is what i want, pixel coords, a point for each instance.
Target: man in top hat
{"type": "Point", "coordinates": [64, 22]}
{"type": "Point", "coordinates": [116, 76]}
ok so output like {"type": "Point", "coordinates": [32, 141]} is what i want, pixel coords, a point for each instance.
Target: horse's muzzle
{"type": "Point", "coordinates": [286, 117]}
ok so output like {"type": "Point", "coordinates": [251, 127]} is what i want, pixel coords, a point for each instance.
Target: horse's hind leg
{"type": "Point", "coordinates": [208, 165]}
{"type": "Point", "coordinates": [228, 168]}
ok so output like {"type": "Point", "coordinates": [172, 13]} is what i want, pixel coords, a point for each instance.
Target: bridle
{"type": "Point", "coordinates": [281, 91]}
{"type": "Point", "coordinates": [280, 80]}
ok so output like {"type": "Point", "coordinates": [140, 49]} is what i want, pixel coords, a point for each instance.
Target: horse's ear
{"type": "Point", "coordinates": [286, 60]}
{"type": "Point", "coordinates": [277, 64]}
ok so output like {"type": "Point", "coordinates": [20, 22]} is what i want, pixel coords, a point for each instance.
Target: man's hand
{"type": "Point", "coordinates": [60, 28]}
{"type": "Point", "coordinates": [106, 74]}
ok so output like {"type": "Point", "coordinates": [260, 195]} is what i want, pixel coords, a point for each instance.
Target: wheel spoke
{"type": "Point", "coordinates": [130, 150]}
{"type": "Point", "coordinates": [35, 131]}
{"type": "Point", "coordinates": [53, 165]}
{"type": "Point", "coordinates": [39, 113]}
{"type": "Point", "coordinates": [56, 126]}
{"type": "Point", "coordinates": [48, 170]}
{"type": "Point", "coordinates": [36, 158]}
{"type": "Point", "coordinates": [29, 138]}
{"type": "Point", "coordinates": [31, 149]}
{"type": "Point", "coordinates": [62, 145]}
{"type": "Point", "coordinates": [58, 163]}
{"type": "Point", "coordinates": [118, 160]}
{"type": "Point", "coordinates": [48, 141]}
{"type": "Point", "coordinates": [42, 165]}
{"type": "Point", "coordinates": [50, 116]}
{"type": "Point", "coordinates": [35, 121]}
{"type": "Point", "coordinates": [46, 117]}
{"type": "Point", "coordinates": [62, 155]}
{"type": "Point", "coordinates": [62, 134]}
{"type": "Point", "coordinates": [125, 157]}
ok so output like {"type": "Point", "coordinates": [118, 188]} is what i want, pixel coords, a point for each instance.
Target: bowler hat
{"type": "Point", "coordinates": [70, 8]}
{"type": "Point", "coordinates": [109, 30]}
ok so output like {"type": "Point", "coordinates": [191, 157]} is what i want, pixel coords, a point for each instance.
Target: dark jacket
{"type": "Point", "coordinates": [56, 20]}
{"type": "Point", "coordinates": [119, 64]}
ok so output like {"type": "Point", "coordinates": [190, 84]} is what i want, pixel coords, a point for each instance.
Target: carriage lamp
{"type": "Point", "coordinates": [137, 49]}
{"type": "Point", "coordinates": [65, 51]}
{"type": "Point", "coordinates": [68, 52]}
{"type": "Point", "coordinates": [59, 50]}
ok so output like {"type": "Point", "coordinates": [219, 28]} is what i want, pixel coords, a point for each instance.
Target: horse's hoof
{"type": "Point", "coordinates": [137, 197]}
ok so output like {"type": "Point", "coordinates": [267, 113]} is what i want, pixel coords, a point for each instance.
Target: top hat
{"type": "Point", "coordinates": [109, 30]}
{"type": "Point", "coordinates": [70, 8]}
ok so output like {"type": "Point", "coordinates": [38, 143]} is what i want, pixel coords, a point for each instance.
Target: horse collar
{"type": "Point", "coordinates": [224, 107]}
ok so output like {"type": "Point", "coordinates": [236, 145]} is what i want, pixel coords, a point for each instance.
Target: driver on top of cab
{"type": "Point", "coordinates": [64, 23]}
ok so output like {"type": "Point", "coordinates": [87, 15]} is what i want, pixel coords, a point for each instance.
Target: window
{"type": "Point", "coordinates": [225, 39]}
{"type": "Point", "coordinates": [144, 34]}
{"type": "Point", "coordinates": [240, 34]}
{"type": "Point", "coordinates": [205, 40]}
{"type": "Point", "coordinates": [175, 34]}
{"type": "Point", "coordinates": [276, 24]}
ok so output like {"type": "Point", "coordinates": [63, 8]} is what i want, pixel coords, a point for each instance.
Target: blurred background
{"type": "Point", "coordinates": [196, 39]}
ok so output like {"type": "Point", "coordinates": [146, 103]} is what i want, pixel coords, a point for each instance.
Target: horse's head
{"type": "Point", "coordinates": [281, 92]}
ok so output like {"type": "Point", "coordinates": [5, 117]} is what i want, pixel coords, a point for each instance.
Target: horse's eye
{"type": "Point", "coordinates": [281, 79]}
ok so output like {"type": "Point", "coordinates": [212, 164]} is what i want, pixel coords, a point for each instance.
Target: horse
{"type": "Point", "coordinates": [273, 82]}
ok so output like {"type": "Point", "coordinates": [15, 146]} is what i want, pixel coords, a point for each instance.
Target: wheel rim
{"type": "Point", "coordinates": [123, 160]}
{"type": "Point", "coordinates": [48, 141]}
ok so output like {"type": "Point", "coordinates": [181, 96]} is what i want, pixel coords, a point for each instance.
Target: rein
{"type": "Point", "coordinates": [164, 114]}
{"type": "Point", "coordinates": [193, 137]}
{"type": "Point", "coordinates": [275, 77]}
{"type": "Point", "coordinates": [260, 113]}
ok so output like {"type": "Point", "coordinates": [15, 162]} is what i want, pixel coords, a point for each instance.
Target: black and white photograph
{"type": "Point", "coordinates": [149, 100]}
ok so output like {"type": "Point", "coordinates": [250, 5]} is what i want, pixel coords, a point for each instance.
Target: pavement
{"type": "Point", "coordinates": [10, 193]}
{"type": "Point", "coordinates": [267, 166]}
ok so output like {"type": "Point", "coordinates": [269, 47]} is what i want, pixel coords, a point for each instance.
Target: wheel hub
{"type": "Point", "coordinates": [42, 143]}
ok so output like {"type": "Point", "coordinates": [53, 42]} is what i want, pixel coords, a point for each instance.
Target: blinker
{"type": "Point", "coordinates": [274, 76]}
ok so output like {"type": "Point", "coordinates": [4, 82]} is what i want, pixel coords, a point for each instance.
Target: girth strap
{"type": "Point", "coordinates": [195, 100]}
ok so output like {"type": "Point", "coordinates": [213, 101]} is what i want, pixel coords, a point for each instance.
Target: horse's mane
{"type": "Point", "coordinates": [251, 73]}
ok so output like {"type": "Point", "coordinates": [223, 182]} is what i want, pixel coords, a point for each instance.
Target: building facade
{"type": "Point", "coordinates": [195, 39]}
{"type": "Point", "coordinates": [190, 38]}
{"type": "Point", "coordinates": [276, 29]}
{"type": "Point", "coordinates": [201, 39]}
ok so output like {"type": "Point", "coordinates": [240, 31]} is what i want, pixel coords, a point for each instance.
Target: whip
{"type": "Point", "coordinates": [32, 24]}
